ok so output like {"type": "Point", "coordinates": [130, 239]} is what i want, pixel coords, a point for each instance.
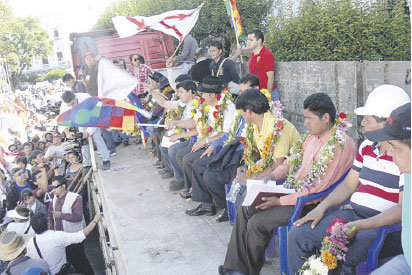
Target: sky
{"type": "Point", "coordinates": [77, 15]}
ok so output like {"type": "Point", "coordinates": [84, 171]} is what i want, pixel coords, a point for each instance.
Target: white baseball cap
{"type": "Point", "coordinates": [383, 100]}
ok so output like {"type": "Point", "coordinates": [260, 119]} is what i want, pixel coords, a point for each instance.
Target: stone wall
{"type": "Point", "coordinates": [347, 82]}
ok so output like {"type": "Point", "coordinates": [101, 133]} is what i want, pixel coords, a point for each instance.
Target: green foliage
{"type": "Point", "coordinates": [20, 40]}
{"type": "Point", "coordinates": [213, 21]}
{"type": "Point", "coordinates": [341, 30]}
{"type": "Point", "coordinates": [54, 75]}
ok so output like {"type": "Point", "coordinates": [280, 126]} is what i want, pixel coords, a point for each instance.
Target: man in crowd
{"type": "Point", "coordinates": [397, 135]}
{"type": "Point", "coordinates": [32, 203]}
{"type": "Point", "coordinates": [187, 57]}
{"type": "Point", "coordinates": [90, 79]}
{"type": "Point", "coordinates": [254, 227]}
{"type": "Point", "coordinates": [372, 187]}
{"type": "Point", "coordinates": [13, 250]}
{"type": "Point", "coordinates": [221, 67]}
{"type": "Point", "coordinates": [202, 66]}
{"type": "Point", "coordinates": [71, 100]}
{"type": "Point", "coordinates": [51, 245]}
{"type": "Point", "coordinates": [20, 183]}
{"type": "Point", "coordinates": [76, 86]}
{"type": "Point", "coordinates": [56, 152]}
{"type": "Point", "coordinates": [211, 94]}
{"type": "Point", "coordinates": [66, 214]}
{"type": "Point", "coordinates": [209, 181]}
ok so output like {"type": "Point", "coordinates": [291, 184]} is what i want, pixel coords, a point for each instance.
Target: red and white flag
{"type": "Point", "coordinates": [177, 23]}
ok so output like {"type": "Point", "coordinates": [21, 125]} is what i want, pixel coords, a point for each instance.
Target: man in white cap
{"type": "Point", "coordinates": [13, 249]}
{"type": "Point", "coordinates": [372, 187]}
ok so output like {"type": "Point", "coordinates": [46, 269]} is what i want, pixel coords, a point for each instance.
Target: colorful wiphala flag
{"type": "Point", "coordinates": [101, 113]}
{"type": "Point", "coordinates": [234, 16]}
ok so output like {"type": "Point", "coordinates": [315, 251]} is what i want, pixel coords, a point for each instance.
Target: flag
{"type": "Point", "coordinates": [177, 23]}
{"type": "Point", "coordinates": [234, 16]}
{"type": "Point", "coordinates": [101, 113]}
{"type": "Point", "coordinates": [113, 82]}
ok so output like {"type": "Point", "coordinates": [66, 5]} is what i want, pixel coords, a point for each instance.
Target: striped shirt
{"type": "Point", "coordinates": [143, 76]}
{"type": "Point", "coordinates": [379, 181]}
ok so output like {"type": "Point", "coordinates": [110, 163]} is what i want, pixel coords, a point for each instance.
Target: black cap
{"type": "Point", "coordinates": [156, 76]}
{"type": "Point", "coordinates": [397, 126]}
{"type": "Point", "coordinates": [211, 84]}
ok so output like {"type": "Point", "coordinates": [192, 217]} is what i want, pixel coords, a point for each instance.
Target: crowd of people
{"type": "Point", "coordinates": [220, 129]}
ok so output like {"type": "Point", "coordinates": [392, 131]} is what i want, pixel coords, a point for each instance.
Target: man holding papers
{"type": "Point", "coordinates": [325, 147]}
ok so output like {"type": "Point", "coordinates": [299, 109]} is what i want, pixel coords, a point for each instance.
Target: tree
{"type": "Point", "coordinates": [341, 30]}
{"type": "Point", "coordinates": [213, 21]}
{"type": "Point", "coordinates": [54, 74]}
{"type": "Point", "coordinates": [21, 39]}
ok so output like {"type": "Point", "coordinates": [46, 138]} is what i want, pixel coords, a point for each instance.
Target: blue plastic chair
{"type": "Point", "coordinates": [372, 261]}
{"type": "Point", "coordinates": [295, 215]}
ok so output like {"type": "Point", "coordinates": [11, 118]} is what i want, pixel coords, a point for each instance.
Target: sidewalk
{"type": "Point", "coordinates": [153, 233]}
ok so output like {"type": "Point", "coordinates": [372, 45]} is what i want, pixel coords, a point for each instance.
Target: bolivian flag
{"type": "Point", "coordinates": [101, 113]}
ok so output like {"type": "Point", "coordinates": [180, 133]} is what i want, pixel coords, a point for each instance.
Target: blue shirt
{"type": "Point", "coordinates": [406, 217]}
{"type": "Point", "coordinates": [20, 189]}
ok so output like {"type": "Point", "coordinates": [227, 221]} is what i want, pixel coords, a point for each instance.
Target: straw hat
{"type": "Point", "coordinates": [12, 245]}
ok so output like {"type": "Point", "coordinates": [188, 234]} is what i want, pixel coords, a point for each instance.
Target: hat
{"type": "Point", "coordinates": [19, 213]}
{"type": "Point", "coordinates": [211, 84]}
{"type": "Point", "coordinates": [89, 53]}
{"type": "Point", "coordinates": [156, 76]}
{"type": "Point", "coordinates": [383, 100]}
{"type": "Point", "coordinates": [161, 79]}
{"type": "Point", "coordinates": [397, 126]}
{"type": "Point", "coordinates": [12, 245]}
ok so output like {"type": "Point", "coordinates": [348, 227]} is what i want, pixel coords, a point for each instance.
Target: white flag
{"type": "Point", "coordinates": [177, 23]}
{"type": "Point", "coordinates": [114, 82]}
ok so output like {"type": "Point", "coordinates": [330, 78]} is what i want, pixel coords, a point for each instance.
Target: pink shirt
{"type": "Point", "coordinates": [312, 147]}
{"type": "Point", "coordinates": [143, 76]}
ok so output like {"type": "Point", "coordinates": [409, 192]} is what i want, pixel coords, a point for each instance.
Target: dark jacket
{"type": "Point", "coordinates": [200, 70]}
{"type": "Point", "coordinates": [13, 195]}
{"type": "Point", "coordinates": [227, 161]}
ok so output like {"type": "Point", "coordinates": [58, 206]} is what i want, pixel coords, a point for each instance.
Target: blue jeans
{"type": "Point", "coordinates": [108, 139]}
{"type": "Point", "coordinates": [172, 151]}
{"type": "Point", "coordinates": [303, 241]}
{"type": "Point", "coordinates": [397, 265]}
{"type": "Point", "coordinates": [165, 155]}
{"type": "Point", "coordinates": [101, 147]}
{"type": "Point", "coordinates": [119, 137]}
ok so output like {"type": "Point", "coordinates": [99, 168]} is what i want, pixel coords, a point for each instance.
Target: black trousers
{"type": "Point", "coordinates": [185, 158]}
{"type": "Point", "coordinates": [77, 257]}
{"type": "Point", "coordinates": [199, 191]}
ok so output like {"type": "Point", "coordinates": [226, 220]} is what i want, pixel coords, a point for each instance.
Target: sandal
{"type": "Point", "coordinates": [186, 194]}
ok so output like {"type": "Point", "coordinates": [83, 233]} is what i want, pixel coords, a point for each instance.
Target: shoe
{"type": "Point", "coordinates": [125, 143]}
{"type": "Point", "coordinates": [186, 194]}
{"type": "Point", "coordinates": [224, 217]}
{"type": "Point", "coordinates": [199, 211]}
{"type": "Point", "coordinates": [106, 165]}
{"type": "Point", "coordinates": [224, 271]}
{"type": "Point", "coordinates": [176, 186]}
{"type": "Point", "coordinates": [113, 154]}
{"type": "Point", "coordinates": [157, 163]}
{"type": "Point", "coordinates": [168, 175]}
{"type": "Point", "coordinates": [116, 144]}
{"type": "Point", "coordinates": [161, 172]}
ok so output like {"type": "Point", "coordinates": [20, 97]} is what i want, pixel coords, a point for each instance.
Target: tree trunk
{"type": "Point", "coordinates": [14, 81]}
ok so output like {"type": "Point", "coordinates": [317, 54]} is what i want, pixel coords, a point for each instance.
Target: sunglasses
{"type": "Point", "coordinates": [57, 186]}
{"type": "Point", "coordinates": [19, 174]}
{"type": "Point", "coordinates": [135, 59]}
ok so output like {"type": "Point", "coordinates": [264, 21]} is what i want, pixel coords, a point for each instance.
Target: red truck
{"type": "Point", "coordinates": [153, 45]}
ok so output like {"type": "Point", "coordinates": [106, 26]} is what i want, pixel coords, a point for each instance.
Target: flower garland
{"type": "Point", "coordinates": [201, 112]}
{"type": "Point", "coordinates": [176, 114]}
{"type": "Point", "coordinates": [319, 166]}
{"type": "Point", "coordinates": [266, 155]}
{"type": "Point", "coordinates": [233, 130]}
{"type": "Point", "coordinates": [334, 249]}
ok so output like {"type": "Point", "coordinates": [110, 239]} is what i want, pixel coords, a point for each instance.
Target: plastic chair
{"type": "Point", "coordinates": [295, 215]}
{"type": "Point", "coordinates": [372, 261]}
{"type": "Point", "coordinates": [231, 210]}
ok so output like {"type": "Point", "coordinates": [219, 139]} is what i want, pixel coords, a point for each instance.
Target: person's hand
{"type": "Point", "coordinates": [358, 225]}
{"type": "Point", "coordinates": [170, 124]}
{"type": "Point", "coordinates": [21, 203]}
{"type": "Point", "coordinates": [208, 152]}
{"type": "Point", "coordinates": [170, 62]}
{"type": "Point", "coordinates": [199, 144]}
{"type": "Point", "coordinates": [69, 134]}
{"type": "Point", "coordinates": [269, 202]}
{"type": "Point", "coordinates": [97, 217]}
{"type": "Point", "coordinates": [56, 214]}
{"type": "Point", "coordinates": [85, 135]}
{"type": "Point", "coordinates": [52, 166]}
{"type": "Point", "coordinates": [315, 215]}
{"type": "Point", "coordinates": [174, 138]}
{"type": "Point", "coordinates": [237, 51]}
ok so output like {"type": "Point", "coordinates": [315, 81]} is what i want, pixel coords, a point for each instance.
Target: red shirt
{"type": "Point", "coordinates": [261, 63]}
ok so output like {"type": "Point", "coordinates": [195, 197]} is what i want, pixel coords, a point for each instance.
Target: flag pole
{"type": "Point", "coordinates": [237, 36]}
{"type": "Point", "coordinates": [181, 42]}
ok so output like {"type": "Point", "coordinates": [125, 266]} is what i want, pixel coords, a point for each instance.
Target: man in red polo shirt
{"type": "Point", "coordinates": [262, 62]}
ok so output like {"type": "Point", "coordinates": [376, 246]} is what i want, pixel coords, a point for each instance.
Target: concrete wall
{"type": "Point", "coordinates": [348, 83]}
